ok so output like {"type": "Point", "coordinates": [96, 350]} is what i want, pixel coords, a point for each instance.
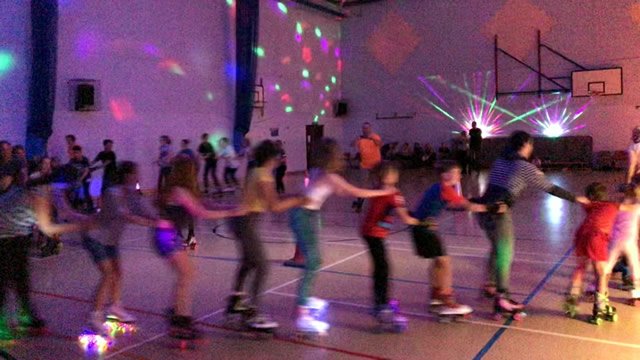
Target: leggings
{"type": "Point", "coordinates": [304, 222]}
{"type": "Point", "coordinates": [14, 268]}
{"type": "Point", "coordinates": [162, 177]}
{"type": "Point", "coordinates": [499, 230]}
{"type": "Point", "coordinates": [380, 270]}
{"type": "Point", "coordinates": [253, 255]}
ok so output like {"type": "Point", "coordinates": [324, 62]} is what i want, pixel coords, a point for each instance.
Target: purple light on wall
{"type": "Point", "coordinates": [298, 38]}
{"type": "Point", "coordinates": [321, 96]}
{"type": "Point", "coordinates": [230, 71]}
{"type": "Point", "coordinates": [86, 45]}
{"type": "Point", "coordinates": [324, 45]}
{"type": "Point", "coordinates": [435, 93]}
{"type": "Point", "coordinates": [150, 49]}
{"type": "Point", "coordinates": [336, 52]}
{"type": "Point", "coordinates": [305, 85]}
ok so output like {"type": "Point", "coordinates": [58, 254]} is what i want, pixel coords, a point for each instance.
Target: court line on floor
{"type": "Point", "coordinates": [526, 301]}
{"type": "Point", "coordinates": [485, 323]}
{"type": "Point", "coordinates": [223, 308]}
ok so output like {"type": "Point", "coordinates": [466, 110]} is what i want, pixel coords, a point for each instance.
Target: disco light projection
{"type": "Point", "coordinates": [327, 104]}
{"type": "Point", "coordinates": [339, 66]}
{"type": "Point", "coordinates": [6, 62]}
{"type": "Point", "coordinates": [333, 79]}
{"type": "Point", "coordinates": [151, 49]}
{"type": "Point", "coordinates": [318, 32]}
{"type": "Point", "coordinates": [283, 8]}
{"type": "Point", "coordinates": [327, 88]}
{"type": "Point", "coordinates": [306, 55]}
{"type": "Point", "coordinates": [336, 52]}
{"type": "Point", "coordinates": [324, 45]}
{"type": "Point", "coordinates": [209, 96]}
{"type": "Point", "coordinates": [260, 51]}
{"type": "Point", "coordinates": [288, 109]}
{"type": "Point", "coordinates": [558, 120]}
{"type": "Point", "coordinates": [121, 109]}
{"type": "Point", "coordinates": [285, 60]}
{"type": "Point", "coordinates": [316, 118]}
{"type": "Point", "coordinates": [285, 98]}
{"type": "Point", "coordinates": [298, 28]}
{"type": "Point", "coordinates": [305, 85]}
{"type": "Point", "coordinates": [277, 87]}
{"type": "Point", "coordinates": [230, 2]}
{"type": "Point", "coordinates": [172, 66]}
{"type": "Point", "coordinates": [305, 73]}
{"type": "Point", "coordinates": [298, 38]}
{"type": "Point", "coordinates": [322, 112]}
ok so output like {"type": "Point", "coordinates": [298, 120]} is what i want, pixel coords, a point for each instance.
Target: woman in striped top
{"type": "Point", "coordinates": [510, 175]}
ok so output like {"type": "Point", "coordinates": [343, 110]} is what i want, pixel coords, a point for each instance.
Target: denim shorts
{"type": "Point", "coordinates": [100, 252]}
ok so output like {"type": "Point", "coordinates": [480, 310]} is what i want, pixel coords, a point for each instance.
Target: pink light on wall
{"type": "Point", "coordinates": [173, 67]}
{"type": "Point", "coordinates": [285, 98]}
{"type": "Point", "coordinates": [327, 104]}
{"type": "Point", "coordinates": [324, 45]}
{"type": "Point", "coordinates": [285, 60]}
{"type": "Point", "coordinates": [121, 109]}
{"type": "Point", "coordinates": [336, 52]}
{"type": "Point", "coordinates": [339, 65]}
{"type": "Point", "coordinates": [306, 55]}
{"type": "Point", "coordinates": [298, 38]}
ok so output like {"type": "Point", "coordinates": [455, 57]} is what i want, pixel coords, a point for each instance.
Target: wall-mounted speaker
{"type": "Point", "coordinates": [84, 95]}
{"type": "Point", "coordinates": [340, 108]}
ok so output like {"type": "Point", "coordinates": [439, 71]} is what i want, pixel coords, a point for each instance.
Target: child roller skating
{"type": "Point", "coordinates": [429, 245]}
{"type": "Point", "coordinates": [324, 181]}
{"type": "Point", "coordinates": [374, 230]}
{"type": "Point", "coordinates": [591, 244]}
{"type": "Point", "coordinates": [241, 313]}
{"type": "Point", "coordinates": [602, 310]}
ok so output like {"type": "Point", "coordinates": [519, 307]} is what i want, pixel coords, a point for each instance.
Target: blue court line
{"type": "Point", "coordinates": [526, 301]}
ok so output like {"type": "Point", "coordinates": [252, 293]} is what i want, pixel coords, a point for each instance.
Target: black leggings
{"type": "Point", "coordinates": [380, 270]}
{"type": "Point", "coordinates": [230, 176]}
{"type": "Point", "coordinates": [14, 268]}
{"type": "Point", "coordinates": [253, 255]}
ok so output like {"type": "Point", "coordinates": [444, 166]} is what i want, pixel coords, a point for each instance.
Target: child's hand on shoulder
{"type": "Point", "coordinates": [583, 200]}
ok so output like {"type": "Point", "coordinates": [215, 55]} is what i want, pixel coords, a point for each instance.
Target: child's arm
{"type": "Point", "coordinates": [406, 218]}
{"type": "Point", "coordinates": [195, 208]}
{"type": "Point", "coordinates": [628, 207]}
{"type": "Point", "coordinates": [274, 202]}
{"type": "Point", "coordinates": [343, 188]}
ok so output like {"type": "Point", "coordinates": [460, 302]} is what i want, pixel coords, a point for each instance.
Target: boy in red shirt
{"type": "Point", "coordinates": [375, 228]}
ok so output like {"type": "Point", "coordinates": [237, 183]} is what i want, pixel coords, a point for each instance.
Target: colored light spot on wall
{"type": "Point", "coordinates": [260, 51]}
{"type": "Point", "coordinates": [306, 55]}
{"type": "Point", "coordinates": [324, 45]}
{"type": "Point", "coordinates": [283, 8]}
{"type": "Point", "coordinates": [230, 2]}
{"type": "Point", "coordinates": [172, 66]}
{"type": "Point", "coordinates": [305, 73]}
{"type": "Point", "coordinates": [150, 49]}
{"type": "Point", "coordinates": [121, 109]}
{"type": "Point", "coordinates": [288, 109]}
{"type": "Point", "coordinates": [6, 62]}
{"type": "Point", "coordinates": [298, 38]}
{"type": "Point", "coordinates": [285, 60]}
{"type": "Point", "coordinates": [315, 118]}
{"type": "Point", "coordinates": [336, 52]}
{"type": "Point", "coordinates": [322, 112]}
{"type": "Point", "coordinates": [321, 96]}
{"type": "Point", "coordinates": [209, 96]}
{"type": "Point", "coordinates": [327, 104]}
{"type": "Point", "coordinates": [299, 28]}
{"type": "Point", "coordinates": [339, 65]}
{"type": "Point", "coordinates": [318, 32]}
{"type": "Point", "coordinates": [327, 88]}
{"type": "Point", "coordinates": [285, 98]}
{"type": "Point", "coordinates": [277, 87]}
{"type": "Point", "coordinates": [305, 85]}
{"type": "Point", "coordinates": [333, 79]}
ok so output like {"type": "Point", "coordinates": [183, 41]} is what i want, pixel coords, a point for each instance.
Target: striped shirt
{"type": "Point", "coordinates": [17, 217]}
{"type": "Point", "coordinates": [509, 177]}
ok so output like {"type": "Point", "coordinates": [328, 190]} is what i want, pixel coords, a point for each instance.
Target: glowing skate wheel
{"type": "Point", "coordinates": [614, 318]}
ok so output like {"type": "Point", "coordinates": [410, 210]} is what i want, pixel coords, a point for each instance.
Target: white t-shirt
{"type": "Point", "coordinates": [229, 156]}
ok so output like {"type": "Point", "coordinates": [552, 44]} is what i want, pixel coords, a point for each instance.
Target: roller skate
{"type": "Point", "coordinates": [389, 320]}
{"type": "Point", "coordinates": [570, 306]}
{"type": "Point", "coordinates": [192, 243]}
{"type": "Point", "coordinates": [505, 307]}
{"type": "Point", "coordinates": [635, 297]}
{"type": "Point", "coordinates": [448, 309]}
{"type": "Point", "coordinates": [182, 330]}
{"type": "Point", "coordinates": [236, 309]}
{"type": "Point", "coordinates": [307, 325]}
{"type": "Point", "coordinates": [602, 311]}
{"type": "Point", "coordinates": [317, 307]}
{"type": "Point", "coordinates": [118, 314]}
{"type": "Point", "coordinates": [489, 291]}
{"type": "Point", "coordinates": [627, 283]}
{"type": "Point", "coordinates": [259, 323]}
{"type": "Point", "coordinates": [95, 340]}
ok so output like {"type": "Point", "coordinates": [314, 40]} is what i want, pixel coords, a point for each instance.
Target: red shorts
{"type": "Point", "coordinates": [593, 244]}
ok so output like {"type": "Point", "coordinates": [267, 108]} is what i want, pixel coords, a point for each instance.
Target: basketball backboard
{"type": "Point", "coordinates": [596, 82]}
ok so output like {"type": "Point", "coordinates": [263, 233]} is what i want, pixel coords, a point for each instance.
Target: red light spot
{"type": "Point", "coordinates": [285, 60]}
{"type": "Point", "coordinates": [285, 98]}
{"type": "Point", "coordinates": [327, 104]}
{"type": "Point", "coordinates": [306, 55]}
{"type": "Point", "coordinates": [339, 65]}
{"type": "Point", "coordinates": [121, 109]}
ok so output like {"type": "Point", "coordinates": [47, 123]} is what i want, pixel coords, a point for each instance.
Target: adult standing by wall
{"type": "Point", "coordinates": [475, 147]}
{"type": "Point", "coordinates": [369, 145]}
{"type": "Point", "coordinates": [510, 175]}
{"type": "Point", "coordinates": [633, 173]}
{"type": "Point", "coordinates": [208, 155]}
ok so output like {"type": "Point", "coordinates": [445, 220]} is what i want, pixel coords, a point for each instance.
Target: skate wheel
{"type": "Point", "coordinates": [634, 302]}
{"type": "Point", "coordinates": [613, 318]}
{"type": "Point", "coordinates": [518, 316]}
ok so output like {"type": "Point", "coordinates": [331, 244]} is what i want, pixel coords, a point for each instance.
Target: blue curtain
{"type": "Point", "coordinates": [42, 83]}
{"type": "Point", "coordinates": [247, 14]}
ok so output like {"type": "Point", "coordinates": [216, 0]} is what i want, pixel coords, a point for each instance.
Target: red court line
{"type": "Point", "coordinates": [277, 338]}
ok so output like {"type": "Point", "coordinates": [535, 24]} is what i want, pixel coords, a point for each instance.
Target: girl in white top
{"type": "Point", "coordinates": [624, 238]}
{"type": "Point", "coordinates": [324, 181]}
